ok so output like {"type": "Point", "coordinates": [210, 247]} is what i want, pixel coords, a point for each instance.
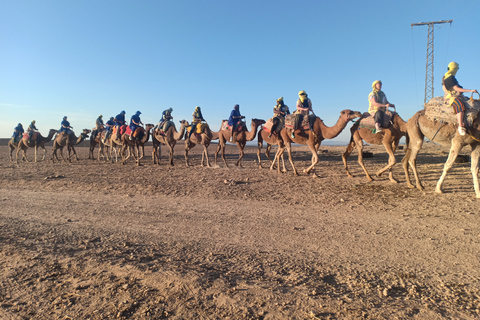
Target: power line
{"type": "Point", "coordinates": [429, 67]}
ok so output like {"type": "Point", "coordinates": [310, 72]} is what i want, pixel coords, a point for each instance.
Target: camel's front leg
{"type": "Point", "coordinates": [474, 167]}
{"type": "Point", "coordinates": [205, 152]}
{"type": "Point", "coordinates": [186, 153]}
{"type": "Point", "coordinates": [454, 151]}
{"type": "Point", "coordinates": [314, 159]}
{"type": "Point", "coordinates": [345, 155]}
{"type": "Point", "coordinates": [240, 148]}
{"type": "Point", "coordinates": [391, 161]}
{"type": "Point", "coordinates": [259, 150]}
{"type": "Point", "coordinates": [289, 150]}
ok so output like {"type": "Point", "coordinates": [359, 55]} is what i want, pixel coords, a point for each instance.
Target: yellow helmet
{"type": "Point", "coordinates": [279, 99]}
{"type": "Point", "coordinates": [302, 93]}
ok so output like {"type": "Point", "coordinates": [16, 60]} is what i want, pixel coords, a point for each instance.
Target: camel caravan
{"type": "Point", "coordinates": [452, 120]}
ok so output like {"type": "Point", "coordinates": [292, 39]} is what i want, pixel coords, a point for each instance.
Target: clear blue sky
{"type": "Point", "coordinates": [85, 58]}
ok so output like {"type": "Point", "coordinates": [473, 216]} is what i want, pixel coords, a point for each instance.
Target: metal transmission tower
{"type": "Point", "coordinates": [429, 71]}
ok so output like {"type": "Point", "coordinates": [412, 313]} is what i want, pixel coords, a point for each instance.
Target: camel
{"type": "Point", "coordinates": [419, 126]}
{"type": "Point", "coordinates": [241, 139]}
{"type": "Point", "coordinates": [62, 139]}
{"type": "Point", "coordinates": [13, 145]}
{"type": "Point", "coordinates": [314, 138]}
{"type": "Point", "coordinates": [37, 141]}
{"type": "Point", "coordinates": [169, 138]}
{"type": "Point", "coordinates": [390, 139]}
{"type": "Point", "coordinates": [134, 144]}
{"type": "Point", "coordinates": [203, 138]}
{"type": "Point", "coordinates": [273, 140]}
{"type": "Point", "coordinates": [93, 143]}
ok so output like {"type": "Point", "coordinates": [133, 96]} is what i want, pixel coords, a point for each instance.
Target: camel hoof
{"type": "Point", "coordinates": [410, 186]}
{"type": "Point", "coordinates": [437, 190]}
{"type": "Point", "coordinates": [393, 181]}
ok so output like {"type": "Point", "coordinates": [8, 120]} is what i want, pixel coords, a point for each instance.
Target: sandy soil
{"type": "Point", "coordinates": [96, 240]}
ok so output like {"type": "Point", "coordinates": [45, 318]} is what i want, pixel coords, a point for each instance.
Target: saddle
{"type": "Point", "coordinates": [437, 110]}
{"type": "Point", "coordinates": [267, 126]}
{"type": "Point", "coordinates": [241, 126]}
{"type": "Point", "coordinates": [367, 120]}
{"type": "Point", "coordinates": [138, 134]}
{"type": "Point", "coordinates": [34, 136]}
{"type": "Point", "coordinates": [123, 128]}
{"type": "Point", "coordinates": [199, 128]}
{"type": "Point", "coordinates": [290, 121]}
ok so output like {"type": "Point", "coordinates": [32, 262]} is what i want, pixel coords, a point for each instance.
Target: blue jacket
{"type": "Point", "coordinates": [231, 120]}
{"type": "Point", "coordinates": [120, 119]}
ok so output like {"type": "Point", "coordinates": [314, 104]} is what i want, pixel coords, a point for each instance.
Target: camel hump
{"type": "Point", "coordinates": [437, 110]}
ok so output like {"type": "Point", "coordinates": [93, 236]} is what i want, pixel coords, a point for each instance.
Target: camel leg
{"type": "Point", "coordinates": [289, 150]}
{"type": "Point", "coordinates": [454, 150]}
{"type": "Point", "coordinates": [275, 159]}
{"type": "Point", "coordinates": [206, 155]}
{"type": "Point", "coordinates": [171, 155]}
{"type": "Point", "coordinates": [474, 167]}
{"type": "Point", "coordinates": [187, 147]}
{"type": "Point", "coordinates": [391, 161]}
{"type": "Point", "coordinates": [75, 153]}
{"type": "Point", "coordinates": [240, 148]}
{"type": "Point", "coordinates": [410, 158]}
{"type": "Point", "coordinates": [345, 155]}
{"type": "Point", "coordinates": [314, 159]}
{"type": "Point", "coordinates": [259, 150]}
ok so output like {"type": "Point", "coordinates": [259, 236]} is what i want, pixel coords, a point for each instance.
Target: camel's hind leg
{"type": "Point", "coordinates": [240, 148]}
{"type": "Point", "coordinates": [410, 159]}
{"type": "Point", "coordinates": [474, 167]}
{"type": "Point", "coordinates": [454, 151]}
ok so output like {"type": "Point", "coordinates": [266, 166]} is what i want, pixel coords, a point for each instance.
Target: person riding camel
{"type": "Point", "coordinates": [378, 105]}
{"type": "Point", "coordinates": [233, 121]}
{"type": "Point", "coordinates": [304, 106]}
{"type": "Point", "coordinates": [453, 95]}
{"type": "Point", "coordinates": [135, 123]}
{"type": "Point", "coordinates": [30, 130]}
{"type": "Point", "coordinates": [280, 110]}
{"type": "Point", "coordinates": [197, 118]}
{"type": "Point", "coordinates": [119, 121]}
{"type": "Point", "coordinates": [99, 126]}
{"type": "Point", "coordinates": [108, 128]}
{"type": "Point", "coordinates": [164, 123]}
{"type": "Point", "coordinates": [17, 133]}
{"type": "Point", "coordinates": [66, 128]}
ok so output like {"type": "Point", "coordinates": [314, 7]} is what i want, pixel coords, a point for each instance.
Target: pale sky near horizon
{"type": "Point", "coordinates": [85, 58]}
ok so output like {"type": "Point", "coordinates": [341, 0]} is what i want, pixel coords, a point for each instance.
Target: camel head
{"type": "Point", "coordinates": [349, 115]}
{"type": "Point", "coordinates": [184, 123]}
{"type": "Point", "coordinates": [149, 126]}
{"type": "Point", "coordinates": [257, 122]}
{"type": "Point", "coordinates": [85, 133]}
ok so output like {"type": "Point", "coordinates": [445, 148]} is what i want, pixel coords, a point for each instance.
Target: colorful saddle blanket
{"type": "Point", "coordinates": [267, 126]}
{"type": "Point", "coordinates": [139, 132]}
{"type": "Point", "coordinates": [437, 110]}
{"type": "Point", "coordinates": [367, 120]}
{"type": "Point", "coordinates": [199, 128]}
{"type": "Point", "coordinates": [241, 126]}
{"type": "Point", "coordinates": [34, 136]}
{"type": "Point", "coordinates": [290, 120]}
{"type": "Point", "coordinates": [123, 128]}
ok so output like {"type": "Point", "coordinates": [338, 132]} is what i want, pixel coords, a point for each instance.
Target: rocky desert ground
{"type": "Point", "coordinates": [96, 240]}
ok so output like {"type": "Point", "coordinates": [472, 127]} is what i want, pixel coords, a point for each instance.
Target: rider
{"type": "Point", "coordinates": [304, 106]}
{"type": "Point", "coordinates": [109, 127]}
{"type": "Point", "coordinates": [453, 92]}
{"type": "Point", "coordinates": [65, 127]}
{"type": "Point", "coordinates": [30, 130]}
{"type": "Point", "coordinates": [119, 121]}
{"type": "Point", "coordinates": [164, 123]}
{"type": "Point", "coordinates": [197, 118]}
{"type": "Point", "coordinates": [279, 113]}
{"type": "Point", "coordinates": [233, 120]}
{"type": "Point", "coordinates": [17, 133]}
{"type": "Point", "coordinates": [135, 122]}
{"type": "Point", "coordinates": [99, 126]}
{"type": "Point", "coordinates": [378, 104]}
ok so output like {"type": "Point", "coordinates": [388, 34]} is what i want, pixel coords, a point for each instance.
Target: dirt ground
{"type": "Point", "coordinates": [96, 240]}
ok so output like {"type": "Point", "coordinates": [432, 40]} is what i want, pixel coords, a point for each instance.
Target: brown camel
{"type": "Point", "coordinates": [203, 138]}
{"type": "Point", "coordinates": [62, 139]}
{"type": "Point", "coordinates": [419, 126]}
{"type": "Point", "coordinates": [241, 139]}
{"type": "Point", "coordinates": [271, 141]}
{"type": "Point", "coordinates": [93, 143]}
{"type": "Point", "coordinates": [12, 144]}
{"type": "Point", "coordinates": [135, 144]}
{"type": "Point", "coordinates": [37, 141]}
{"type": "Point", "coordinates": [389, 138]}
{"type": "Point", "coordinates": [169, 138]}
{"type": "Point", "coordinates": [315, 137]}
